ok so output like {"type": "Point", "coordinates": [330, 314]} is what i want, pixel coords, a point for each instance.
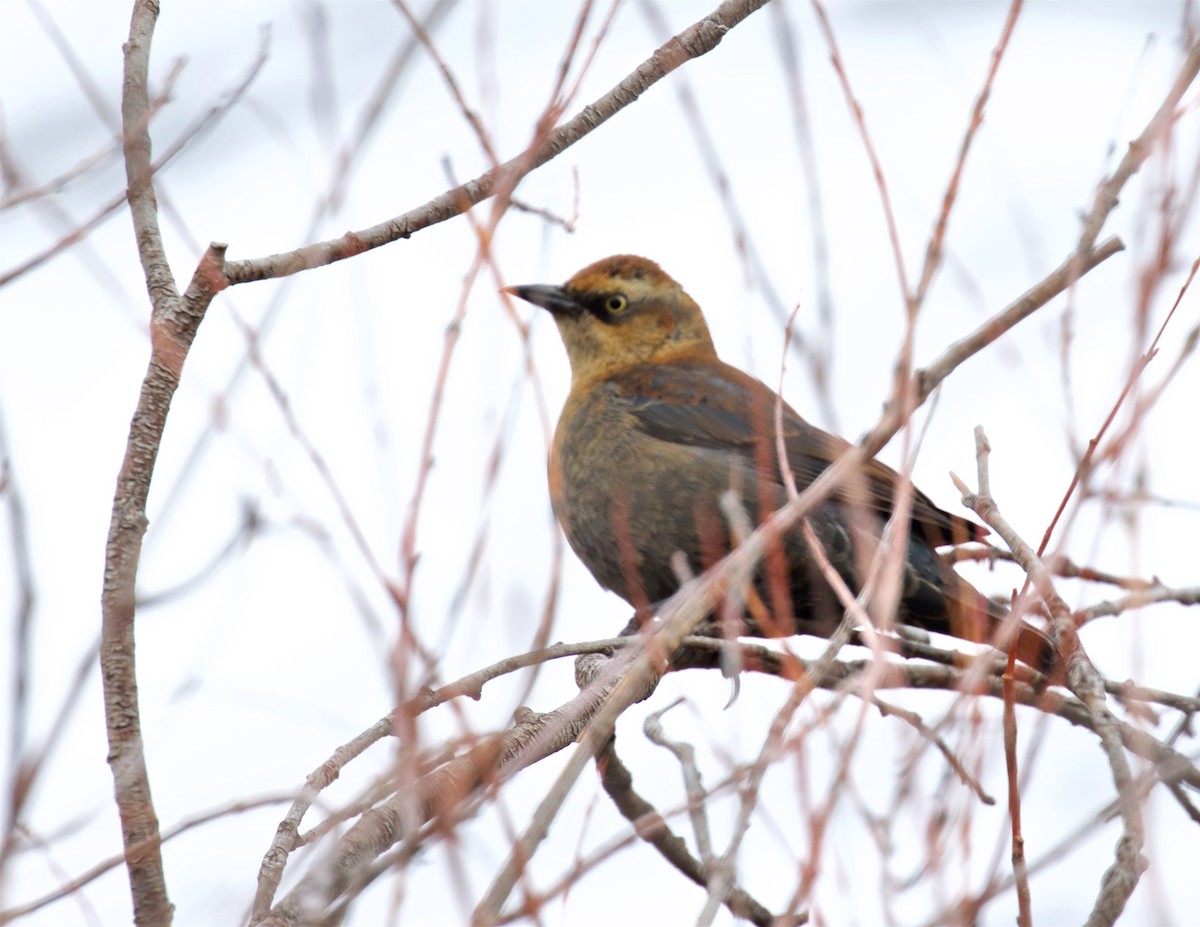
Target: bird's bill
{"type": "Point", "coordinates": [552, 298]}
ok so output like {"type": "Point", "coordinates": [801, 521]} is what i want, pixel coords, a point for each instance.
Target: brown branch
{"type": "Point", "coordinates": [1105, 201]}
{"type": "Point", "coordinates": [1172, 766]}
{"type": "Point", "coordinates": [1056, 282]}
{"type": "Point", "coordinates": [1088, 685]}
{"type": "Point", "coordinates": [1019, 866]}
{"type": "Point", "coordinates": [1059, 564]}
{"type": "Point", "coordinates": [199, 125]}
{"type": "Point", "coordinates": [1084, 468]}
{"type": "Point", "coordinates": [172, 330]}
{"type": "Point", "coordinates": [634, 681]}
{"type": "Point", "coordinates": [967, 910]}
{"type": "Point", "coordinates": [445, 795]}
{"type": "Point", "coordinates": [173, 325]}
{"type": "Point", "coordinates": [1108, 194]}
{"type": "Point", "coordinates": [698, 39]}
{"type": "Point", "coordinates": [933, 251]}
{"type": "Point", "coordinates": [803, 684]}
{"type": "Point", "coordinates": [1144, 403]}
{"type": "Point", "coordinates": [73, 885]}
{"type": "Point", "coordinates": [287, 834]}
{"type": "Point", "coordinates": [652, 828]}
{"type": "Point", "coordinates": [1188, 595]}
{"type": "Point", "coordinates": [688, 607]}
{"type": "Point", "coordinates": [460, 781]}
{"type": "Point", "coordinates": [929, 735]}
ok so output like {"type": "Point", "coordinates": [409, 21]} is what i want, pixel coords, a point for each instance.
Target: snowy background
{"type": "Point", "coordinates": [260, 650]}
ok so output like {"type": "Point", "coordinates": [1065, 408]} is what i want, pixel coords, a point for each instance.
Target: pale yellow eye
{"type": "Point", "coordinates": [616, 303]}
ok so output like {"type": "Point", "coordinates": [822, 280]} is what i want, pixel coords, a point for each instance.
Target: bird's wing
{"type": "Point", "coordinates": [714, 405]}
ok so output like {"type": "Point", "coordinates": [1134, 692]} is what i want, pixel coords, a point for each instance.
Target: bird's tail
{"type": "Point", "coordinates": [975, 617]}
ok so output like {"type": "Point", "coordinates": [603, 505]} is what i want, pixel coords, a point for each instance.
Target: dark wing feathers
{"type": "Point", "coordinates": [713, 405]}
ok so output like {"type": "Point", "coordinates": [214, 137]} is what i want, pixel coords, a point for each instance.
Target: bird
{"type": "Point", "coordinates": [658, 434]}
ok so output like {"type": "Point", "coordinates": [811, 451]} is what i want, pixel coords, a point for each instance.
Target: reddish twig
{"type": "Point", "coordinates": [933, 251]}
{"type": "Point", "coordinates": [1020, 871]}
{"type": "Point", "coordinates": [1089, 686]}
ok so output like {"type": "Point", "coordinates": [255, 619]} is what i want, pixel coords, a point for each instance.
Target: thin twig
{"type": "Point", "coordinates": [1020, 870]}
{"type": "Point", "coordinates": [697, 40]}
{"type": "Point", "coordinates": [1089, 686]}
{"type": "Point", "coordinates": [73, 885]}
{"type": "Point", "coordinates": [649, 824]}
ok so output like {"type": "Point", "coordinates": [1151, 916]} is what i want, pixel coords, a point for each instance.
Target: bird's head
{"type": "Point", "coordinates": [619, 312]}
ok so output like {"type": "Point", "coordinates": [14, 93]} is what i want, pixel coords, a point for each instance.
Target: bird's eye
{"type": "Point", "coordinates": [616, 303]}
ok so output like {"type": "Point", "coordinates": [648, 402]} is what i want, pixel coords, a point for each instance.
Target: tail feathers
{"type": "Point", "coordinates": [1033, 647]}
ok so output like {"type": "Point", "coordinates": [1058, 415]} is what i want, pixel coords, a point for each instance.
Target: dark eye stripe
{"type": "Point", "coordinates": [597, 305]}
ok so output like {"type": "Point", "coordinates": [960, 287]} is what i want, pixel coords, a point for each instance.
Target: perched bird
{"type": "Point", "coordinates": [657, 430]}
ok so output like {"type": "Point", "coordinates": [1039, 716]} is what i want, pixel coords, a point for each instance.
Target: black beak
{"type": "Point", "coordinates": [551, 298]}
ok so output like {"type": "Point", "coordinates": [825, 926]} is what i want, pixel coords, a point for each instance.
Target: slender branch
{"type": "Point", "coordinates": [933, 252]}
{"type": "Point", "coordinates": [446, 794]}
{"type": "Point", "coordinates": [171, 335]}
{"type": "Point", "coordinates": [89, 875]}
{"type": "Point", "coordinates": [928, 734]}
{"type": "Point", "coordinates": [1188, 595]}
{"type": "Point", "coordinates": [649, 824]}
{"type": "Point", "coordinates": [678, 618]}
{"type": "Point", "coordinates": [1108, 194]}
{"type": "Point", "coordinates": [1056, 282]}
{"type": "Point", "coordinates": [1089, 686]}
{"type": "Point", "coordinates": [1019, 865]}
{"type": "Point", "coordinates": [696, 600]}
{"type": "Point", "coordinates": [455, 788]}
{"type": "Point", "coordinates": [698, 39]}
{"type": "Point", "coordinates": [287, 834]}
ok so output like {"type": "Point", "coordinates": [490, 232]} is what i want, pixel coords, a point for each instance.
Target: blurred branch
{"type": "Point", "coordinates": [933, 250]}
{"type": "Point", "coordinates": [822, 357]}
{"type": "Point", "coordinates": [22, 770]}
{"type": "Point", "coordinates": [195, 129]}
{"type": "Point", "coordinates": [1089, 686]}
{"type": "Point", "coordinates": [1084, 468]}
{"type": "Point", "coordinates": [928, 734]}
{"type": "Point", "coordinates": [736, 225]}
{"type": "Point", "coordinates": [698, 39]}
{"type": "Point", "coordinates": [448, 793]}
{"type": "Point", "coordinates": [1141, 598]}
{"type": "Point", "coordinates": [1054, 283]}
{"type": "Point", "coordinates": [651, 827]}
{"type": "Point", "coordinates": [9, 200]}
{"type": "Point", "coordinates": [243, 535]}
{"type": "Point", "coordinates": [73, 885]}
{"type": "Point", "coordinates": [1108, 195]}
{"type": "Point", "coordinates": [1058, 564]}
{"type": "Point", "coordinates": [452, 791]}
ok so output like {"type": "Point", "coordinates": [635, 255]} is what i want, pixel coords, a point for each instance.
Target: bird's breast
{"type": "Point", "coordinates": [629, 503]}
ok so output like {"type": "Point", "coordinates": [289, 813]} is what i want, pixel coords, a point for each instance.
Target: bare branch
{"type": "Point", "coordinates": [1084, 680]}
{"type": "Point", "coordinates": [699, 39]}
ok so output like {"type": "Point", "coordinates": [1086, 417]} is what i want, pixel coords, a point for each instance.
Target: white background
{"type": "Point", "coordinates": [251, 679]}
